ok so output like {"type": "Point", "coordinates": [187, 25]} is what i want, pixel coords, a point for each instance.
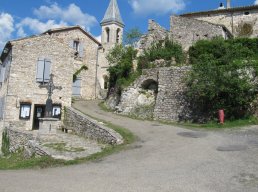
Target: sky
{"type": "Point", "coordinates": [21, 18]}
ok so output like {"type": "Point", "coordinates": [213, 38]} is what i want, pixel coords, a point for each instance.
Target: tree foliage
{"type": "Point", "coordinates": [121, 66]}
{"type": "Point", "coordinates": [223, 76]}
{"type": "Point", "coordinates": [132, 36]}
{"type": "Point", "coordinates": [166, 50]}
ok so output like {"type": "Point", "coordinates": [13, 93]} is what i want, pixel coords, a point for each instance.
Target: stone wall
{"type": "Point", "coordinates": [24, 140]}
{"type": "Point", "coordinates": [88, 58]}
{"type": "Point", "coordinates": [84, 126]}
{"type": "Point", "coordinates": [155, 34]}
{"type": "Point", "coordinates": [22, 86]}
{"type": "Point", "coordinates": [171, 103]}
{"type": "Point", "coordinates": [187, 31]}
{"type": "Point", "coordinates": [230, 18]}
{"type": "Point", "coordinates": [166, 103]}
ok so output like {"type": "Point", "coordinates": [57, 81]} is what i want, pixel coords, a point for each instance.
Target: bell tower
{"type": "Point", "coordinates": [112, 25]}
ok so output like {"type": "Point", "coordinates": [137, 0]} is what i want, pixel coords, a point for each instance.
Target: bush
{"type": "Point", "coordinates": [121, 72]}
{"type": "Point", "coordinates": [162, 50]}
{"type": "Point", "coordinates": [223, 76]}
{"type": "Point", "coordinates": [5, 143]}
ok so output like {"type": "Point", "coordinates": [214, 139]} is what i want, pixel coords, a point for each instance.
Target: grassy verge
{"type": "Point", "coordinates": [104, 107]}
{"type": "Point", "coordinates": [17, 161]}
{"type": "Point", "coordinates": [215, 124]}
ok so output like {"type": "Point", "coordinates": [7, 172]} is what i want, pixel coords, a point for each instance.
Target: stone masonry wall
{"type": "Point", "coordinates": [89, 58]}
{"type": "Point", "coordinates": [187, 31]}
{"type": "Point", "coordinates": [22, 85]}
{"type": "Point", "coordinates": [84, 126]}
{"type": "Point", "coordinates": [170, 102]}
{"type": "Point", "coordinates": [230, 19]}
{"type": "Point", "coordinates": [24, 140]}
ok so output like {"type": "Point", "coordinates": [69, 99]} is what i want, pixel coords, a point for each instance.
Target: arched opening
{"type": "Point", "coordinates": [118, 35]}
{"type": "Point", "coordinates": [150, 84]}
{"type": "Point", "coordinates": [106, 81]}
{"type": "Point", "coordinates": [107, 34]}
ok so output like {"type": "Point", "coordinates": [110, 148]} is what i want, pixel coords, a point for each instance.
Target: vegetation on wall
{"type": "Point", "coordinates": [166, 50]}
{"type": "Point", "coordinates": [224, 76]}
{"type": "Point", "coordinates": [5, 143]}
{"type": "Point", "coordinates": [245, 29]}
{"type": "Point", "coordinates": [75, 75]}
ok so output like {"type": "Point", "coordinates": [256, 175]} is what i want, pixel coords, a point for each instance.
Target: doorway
{"type": "Point", "coordinates": [39, 111]}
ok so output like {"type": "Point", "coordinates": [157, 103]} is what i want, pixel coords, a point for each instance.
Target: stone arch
{"type": "Point", "coordinates": [150, 84]}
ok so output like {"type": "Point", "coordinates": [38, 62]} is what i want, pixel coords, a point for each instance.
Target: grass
{"type": "Point", "coordinates": [215, 125]}
{"type": "Point", "coordinates": [104, 107]}
{"type": "Point", "coordinates": [17, 161]}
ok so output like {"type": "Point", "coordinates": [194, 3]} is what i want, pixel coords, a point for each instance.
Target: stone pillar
{"type": "Point", "coordinates": [48, 125]}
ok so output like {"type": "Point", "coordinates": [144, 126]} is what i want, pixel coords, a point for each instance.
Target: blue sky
{"type": "Point", "coordinates": [23, 18]}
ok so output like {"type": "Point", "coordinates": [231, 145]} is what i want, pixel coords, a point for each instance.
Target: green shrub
{"type": "Point", "coordinates": [223, 76]}
{"type": "Point", "coordinates": [5, 143]}
{"type": "Point", "coordinates": [166, 50]}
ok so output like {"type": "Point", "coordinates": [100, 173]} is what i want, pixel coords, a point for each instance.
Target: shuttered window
{"type": "Point", "coordinates": [77, 87]}
{"type": "Point", "coordinates": [2, 103]}
{"type": "Point", "coordinates": [78, 46]}
{"type": "Point", "coordinates": [43, 70]}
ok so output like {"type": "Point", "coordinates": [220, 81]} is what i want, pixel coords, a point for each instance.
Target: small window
{"type": "Point", "coordinates": [247, 13]}
{"type": "Point", "coordinates": [25, 109]}
{"type": "Point", "coordinates": [76, 45]}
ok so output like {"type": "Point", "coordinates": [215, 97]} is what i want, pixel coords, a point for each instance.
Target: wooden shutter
{"type": "Point", "coordinates": [81, 49]}
{"type": "Point", "coordinates": [40, 70]}
{"type": "Point", "coordinates": [77, 87]}
{"type": "Point", "coordinates": [2, 103]}
{"type": "Point", "coordinates": [47, 70]}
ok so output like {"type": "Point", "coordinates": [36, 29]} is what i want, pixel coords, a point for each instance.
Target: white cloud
{"type": "Point", "coordinates": [72, 15]}
{"type": "Point", "coordinates": [53, 16]}
{"type": "Point", "coordinates": [98, 38]}
{"type": "Point", "coordinates": [6, 28]}
{"type": "Point", "coordinates": [36, 26]}
{"type": "Point", "coordinates": [256, 2]}
{"type": "Point", "coordinates": [158, 7]}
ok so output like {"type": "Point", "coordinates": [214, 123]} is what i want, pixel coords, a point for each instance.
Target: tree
{"type": "Point", "coordinates": [121, 66]}
{"type": "Point", "coordinates": [223, 77]}
{"type": "Point", "coordinates": [132, 36]}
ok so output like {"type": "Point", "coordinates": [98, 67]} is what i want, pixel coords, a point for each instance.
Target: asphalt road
{"type": "Point", "coordinates": [164, 159]}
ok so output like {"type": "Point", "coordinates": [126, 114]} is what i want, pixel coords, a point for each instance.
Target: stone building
{"type": "Point", "coordinates": [240, 21]}
{"type": "Point", "coordinates": [75, 58]}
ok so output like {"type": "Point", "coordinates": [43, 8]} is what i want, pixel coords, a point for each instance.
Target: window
{"type": "Point", "coordinates": [247, 13]}
{"type": "Point", "coordinates": [108, 34]}
{"type": "Point", "coordinates": [25, 109]}
{"type": "Point", "coordinates": [117, 35]}
{"type": "Point", "coordinates": [43, 70]}
{"type": "Point", "coordinates": [76, 45]}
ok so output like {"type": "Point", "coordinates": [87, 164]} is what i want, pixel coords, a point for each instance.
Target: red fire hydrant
{"type": "Point", "coordinates": [221, 116]}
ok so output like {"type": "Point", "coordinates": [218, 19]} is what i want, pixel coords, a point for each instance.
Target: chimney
{"type": "Point", "coordinates": [228, 4]}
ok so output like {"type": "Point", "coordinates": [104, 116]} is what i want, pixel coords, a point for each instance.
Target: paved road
{"type": "Point", "coordinates": [164, 159]}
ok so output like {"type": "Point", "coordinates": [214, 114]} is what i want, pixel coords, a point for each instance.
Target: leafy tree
{"type": "Point", "coordinates": [223, 77]}
{"type": "Point", "coordinates": [132, 36]}
{"type": "Point", "coordinates": [121, 66]}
